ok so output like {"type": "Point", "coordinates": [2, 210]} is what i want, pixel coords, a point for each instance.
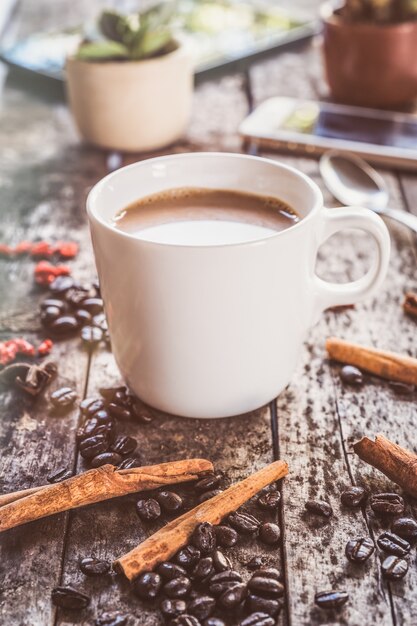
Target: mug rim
{"type": "Point", "coordinates": [94, 214]}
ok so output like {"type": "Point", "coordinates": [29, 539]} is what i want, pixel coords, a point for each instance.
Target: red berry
{"type": "Point", "coordinates": [45, 347]}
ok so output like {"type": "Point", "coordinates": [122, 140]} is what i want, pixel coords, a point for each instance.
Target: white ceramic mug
{"type": "Point", "coordinates": [214, 331]}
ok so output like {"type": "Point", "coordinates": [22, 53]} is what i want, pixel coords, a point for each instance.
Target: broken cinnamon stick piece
{"type": "Point", "coordinates": [389, 365]}
{"type": "Point", "coordinates": [410, 304]}
{"type": "Point", "coordinates": [398, 464]}
{"type": "Point", "coordinates": [95, 485]}
{"type": "Point", "coordinates": [165, 542]}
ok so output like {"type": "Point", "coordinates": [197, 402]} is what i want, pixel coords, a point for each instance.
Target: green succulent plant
{"type": "Point", "coordinates": [131, 37]}
{"type": "Point", "coordinates": [380, 11]}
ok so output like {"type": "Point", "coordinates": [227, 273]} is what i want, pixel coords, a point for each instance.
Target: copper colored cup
{"type": "Point", "coordinates": [370, 64]}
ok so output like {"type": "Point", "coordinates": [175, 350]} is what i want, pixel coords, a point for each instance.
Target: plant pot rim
{"type": "Point", "coordinates": [328, 16]}
{"type": "Point", "coordinates": [180, 46]}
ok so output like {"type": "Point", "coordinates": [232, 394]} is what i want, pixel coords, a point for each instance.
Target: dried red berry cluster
{"type": "Point", "coordinates": [45, 272]}
{"type": "Point", "coordinates": [17, 346]}
{"type": "Point", "coordinates": [41, 249]}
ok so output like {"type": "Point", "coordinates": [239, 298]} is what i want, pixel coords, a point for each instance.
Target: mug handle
{"type": "Point", "coordinates": [332, 220]}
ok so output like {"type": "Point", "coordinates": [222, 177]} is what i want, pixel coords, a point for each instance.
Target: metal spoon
{"type": "Point", "coordinates": [353, 181]}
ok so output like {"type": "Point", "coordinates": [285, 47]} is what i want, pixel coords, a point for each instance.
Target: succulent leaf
{"type": "Point", "coordinates": [102, 51]}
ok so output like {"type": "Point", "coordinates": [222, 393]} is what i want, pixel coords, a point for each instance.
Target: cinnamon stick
{"type": "Point", "coordinates": [396, 462]}
{"type": "Point", "coordinates": [95, 485]}
{"type": "Point", "coordinates": [389, 365]}
{"type": "Point", "coordinates": [410, 304]}
{"type": "Point", "coordinates": [164, 543]}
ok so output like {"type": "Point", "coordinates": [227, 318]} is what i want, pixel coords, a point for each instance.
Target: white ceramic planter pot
{"type": "Point", "coordinates": [132, 105]}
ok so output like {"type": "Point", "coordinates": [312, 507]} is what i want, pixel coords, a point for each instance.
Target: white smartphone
{"type": "Point", "coordinates": [383, 137]}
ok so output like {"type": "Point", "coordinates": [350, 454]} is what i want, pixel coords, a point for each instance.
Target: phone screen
{"type": "Point", "coordinates": [314, 119]}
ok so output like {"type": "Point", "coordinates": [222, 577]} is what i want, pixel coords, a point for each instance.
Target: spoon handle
{"type": "Point", "coordinates": [408, 219]}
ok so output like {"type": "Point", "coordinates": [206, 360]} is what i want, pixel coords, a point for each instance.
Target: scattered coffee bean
{"type": "Point", "coordinates": [83, 317]}
{"type": "Point", "coordinates": [351, 375]}
{"type": "Point", "coordinates": [50, 314]}
{"type": "Point", "coordinates": [202, 606]}
{"type": "Point", "coordinates": [268, 572]}
{"type": "Point", "coordinates": [69, 598]}
{"type": "Point", "coordinates": [214, 621]}
{"type": "Point", "coordinates": [244, 523]}
{"type": "Point", "coordinates": [207, 483]}
{"type": "Point", "coordinates": [207, 495]}
{"type": "Point", "coordinates": [148, 510]}
{"type": "Point", "coordinates": [225, 536]}
{"type": "Point", "coordinates": [353, 496]}
{"type": "Point", "coordinates": [104, 458]}
{"type": "Point", "coordinates": [221, 581]}
{"type": "Point", "coordinates": [319, 507]}
{"type": "Point", "coordinates": [93, 305]}
{"type": "Point", "coordinates": [188, 556]}
{"type": "Point", "coordinates": [393, 544]}
{"type": "Point", "coordinates": [256, 561]}
{"type": "Point", "coordinates": [169, 501]}
{"type": "Point", "coordinates": [100, 321]}
{"type": "Point", "coordinates": [203, 569]}
{"type": "Point", "coordinates": [124, 445]}
{"type": "Point", "coordinates": [387, 504]}
{"type": "Point", "coordinates": [61, 284]}
{"type": "Point", "coordinates": [129, 463]}
{"type": "Point", "coordinates": [64, 325]}
{"type": "Point", "coordinates": [401, 389]}
{"type": "Point", "coordinates": [61, 474]}
{"type": "Point", "coordinates": [75, 296]}
{"type": "Point", "coordinates": [141, 413]}
{"type": "Point", "coordinates": [269, 533]}
{"type": "Point", "coordinates": [270, 606]}
{"type": "Point", "coordinates": [269, 500]}
{"type": "Point", "coordinates": [169, 570]}
{"type": "Point", "coordinates": [118, 411]}
{"type": "Point", "coordinates": [92, 446]}
{"type": "Point", "coordinates": [147, 585]}
{"type": "Point", "coordinates": [89, 406]}
{"type": "Point", "coordinates": [177, 587]}
{"type": "Point", "coordinates": [405, 527]}
{"type": "Point", "coordinates": [221, 562]}
{"type": "Point", "coordinates": [232, 597]}
{"type": "Point", "coordinates": [185, 620]}
{"type": "Point", "coordinates": [204, 538]}
{"type": "Point", "coordinates": [394, 567]}
{"type": "Point", "coordinates": [265, 586]}
{"type": "Point", "coordinates": [53, 302]}
{"type": "Point", "coordinates": [172, 608]}
{"type": "Point", "coordinates": [91, 335]}
{"type": "Point", "coordinates": [94, 567]}
{"type": "Point", "coordinates": [111, 619]}
{"type": "Point", "coordinates": [258, 619]}
{"type": "Point", "coordinates": [359, 550]}
{"type": "Point", "coordinates": [63, 398]}
{"type": "Point", "coordinates": [331, 599]}
{"type": "Point", "coordinates": [109, 392]}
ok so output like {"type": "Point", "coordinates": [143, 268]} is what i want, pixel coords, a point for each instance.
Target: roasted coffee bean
{"type": "Point", "coordinates": [359, 550]}
{"type": "Point", "coordinates": [89, 406]}
{"type": "Point", "coordinates": [91, 335]}
{"type": "Point", "coordinates": [109, 392]}
{"type": "Point", "coordinates": [104, 458]}
{"type": "Point", "coordinates": [124, 445]}
{"type": "Point", "coordinates": [100, 321]}
{"type": "Point", "coordinates": [61, 474]}
{"type": "Point", "coordinates": [269, 500]}
{"type": "Point", "coordinates": [94, 567]}
{"type": "Point", "coordinates": [401, 389]}
{"type": "Point", "coordinates": [69, 598]}
{"type": "Point", "coordinates": [258, 619]}
{"type": "Point", "coordinates": [92, 446]}
{"type": "Point", "coordinates": [61, 284]}
{"type": "Point", "coordinates": [129, 463]}
{"type": "Point", "coordinates": [169, 570]}
{"type": "Point", "coordinates": [256, 561]}
{"type": "Point", "coordinates": [394, 567]}
{"type": "Point", "coordinates": [172, 608]}
{"type": "Point", "coordinates": [221, 562]}
{"type": "Point", "coordinates": [63, 398]}
{"type": "Point", "coordinates": [270, 606]}
{"type": "Point", "coordinates": [202, 606]}
{"type": "Point", "coordinates": [118, 411]}
{"type": "Point", "coordinates": [94, 426]}
{"type": "Point", "coordinates": [93, 305]}
{"type": "Point", "coordinates": [203, 568]}
{"type": "Point", "coordinates": [207, 495]}
{"type": "Point", "coordinates": [169, 501]}
{"type": "Point", "coordinates": [393, 544]}
{"type": "Point", "coordinates": [232, 597]}
{"type": "Point", "coordinates": [214, 621]}
{"type": "Point", "coordinates": [218, 583]}
{"type": "Point", "coordinates": [226, 536]}
{"type": "Point", "coordinates": [203, 537]}
{"type": "Point", "coordinates": [405, 527]}
{"type": "Point", "coordinates": [148, 510]}
{"type": "Point", "coordinates": [351, 375]}
{"type": "Point", "coordinates": [54, 302]}
{"type": "Point", "coordinates": [269, 533]}
{"type": "Point", "coordinates": [244, 523]}
{"type": "Point", "coordinates": [387, 504]}
{"type": "Point", "coordinates": [353, 496]}
{"type": "Point", "coordinates": [185, 620]}
{"type": "Point", "coordinates": [65, 325]}
{"type": "Point", "coordinates": [147, 585]}
{"type": "Point", "coordinates": [265, 586]}
{"type": "Point", "coordinates": [319, 507]}
{"type": "Point", "coordinates": [50, 314]}
{"type": "Point", "coordinates": [331, 599]}
{"type": "Point", "coordinates": [188, 556]}
{"type": "Point", "coordinates": [177, 587]}
{"type": "Point", "coordinates": [207, 483]}
{"type": "Point", "coordinates": [111, 618]}
{"type": "Point", "coordinates": [268, 572]}
{"type": "Point", "coordinates": [76, 296]}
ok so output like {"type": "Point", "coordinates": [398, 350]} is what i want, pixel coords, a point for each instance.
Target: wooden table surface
{"type": "Point", "coordinates": [45, 175]}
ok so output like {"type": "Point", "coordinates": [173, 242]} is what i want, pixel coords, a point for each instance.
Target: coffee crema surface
{"type": "Point", "coordinates": [205, 217]}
